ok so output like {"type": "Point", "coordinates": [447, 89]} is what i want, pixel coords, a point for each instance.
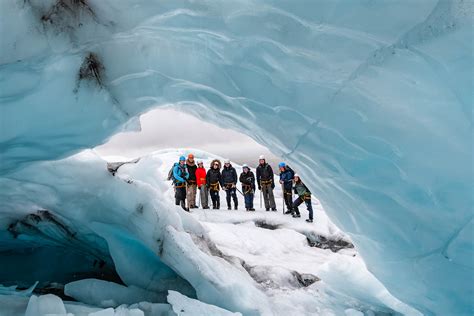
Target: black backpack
{"type": "Point", "coordinates": [170, 174]}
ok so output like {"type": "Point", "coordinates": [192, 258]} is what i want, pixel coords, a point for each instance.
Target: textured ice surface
{"type": "Point", "coordinates": [185, 306]}
{"type": "Point", "coordinates": [372, 101]}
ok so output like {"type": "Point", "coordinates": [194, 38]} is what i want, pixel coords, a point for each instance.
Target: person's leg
{"type": "Point", "coordinates": [265, 189]}
{"type": "Point", "coordinates": [213, 198]}
{"type": "Point", "coordinates": [271, 198]}
{"type": "Point", "coordinates": [203, 193]}
{"type": "Point", "coordinates": [218, 200]}
{"type": "Point", "coordinates": [234, 197]}
{"type": "Point", "coordinates": [288, 201]}
{"type": "Point", "coordinates": [192, 202]}
{"type": "Point", "coordinates": [251, 195]}
{"type": "Point", "coordinates": [309, 206]}
{"type": "Point", "coordinates": [188, 194]}
{"type": "Point", "coordinates": [295, 205]}
{"type": "Point", "coordinates": [227, 197]}
{"type": "Point", "coordinates": [246, 201]}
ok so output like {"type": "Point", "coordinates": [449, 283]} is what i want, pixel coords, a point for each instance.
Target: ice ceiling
{"type": "Point", "coordinates": [372, 101]}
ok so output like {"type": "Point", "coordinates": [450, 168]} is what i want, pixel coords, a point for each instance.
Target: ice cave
{"type": "Point", "coordinates": [373, 100]}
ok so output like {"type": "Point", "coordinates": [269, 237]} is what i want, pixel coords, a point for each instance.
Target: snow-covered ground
{"type": "Point", "coordinates": [260, 263]}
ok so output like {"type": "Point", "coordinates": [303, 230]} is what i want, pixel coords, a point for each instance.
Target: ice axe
{"type": "Point", "coordinates": [283, 194]}
{"type": "Point", "coordinates": [239, 191]}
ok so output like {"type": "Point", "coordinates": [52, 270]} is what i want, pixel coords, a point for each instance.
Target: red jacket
{"type": "Point", "coordinates": [200, 176]}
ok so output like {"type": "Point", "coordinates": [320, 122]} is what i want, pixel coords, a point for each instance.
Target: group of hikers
{"type": "Point", "coordinates": [189, 175]}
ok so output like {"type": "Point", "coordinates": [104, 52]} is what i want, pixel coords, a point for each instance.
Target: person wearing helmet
{"type": "Point", "coordinates": [248, 186]}
{"type": "Point", "coordinates": [229, 179]}
{"type": "Point", "coordinates": [286, 181]}
{"type": "Point", "coordinates": [201, 184]}
{"type": "Point", "coordinates": [266, 183]}
{"type": "Point", "coordinates": [213, 181]}
{"type": "Point", "coordinates": [191, 186]}
{"type": "Point", "coordinates": [304, 195]}
{"type": "Point", "coordinates": [180, 175]}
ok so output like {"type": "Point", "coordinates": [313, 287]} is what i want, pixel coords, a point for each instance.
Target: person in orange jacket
{"type": "Point", "coordinates": [201, 183]}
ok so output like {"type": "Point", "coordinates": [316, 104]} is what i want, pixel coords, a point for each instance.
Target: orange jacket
{"type": "Point", "coordinates": [200, 176]}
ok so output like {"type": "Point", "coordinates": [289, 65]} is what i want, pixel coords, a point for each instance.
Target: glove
{"type": "Point", "coordinates": [273, 186]}
{"type": "Point", "coordinates": [233, 185]}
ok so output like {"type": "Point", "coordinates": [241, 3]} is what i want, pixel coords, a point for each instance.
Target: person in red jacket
{"type": "Point", "coordinates": [201, 183]}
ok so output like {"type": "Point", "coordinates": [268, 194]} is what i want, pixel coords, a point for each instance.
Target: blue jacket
{"type": "Point", "coordinates": [180, 174]}
{"type": "Point", "coordinates": [287, 178]}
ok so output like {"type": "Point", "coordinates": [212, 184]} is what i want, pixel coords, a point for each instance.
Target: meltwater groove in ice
{"type": "Point", "coordinates": [371, 100]}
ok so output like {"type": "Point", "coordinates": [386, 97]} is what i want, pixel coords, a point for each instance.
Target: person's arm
{"type": "Point", "coordinates": [176, 174]}
{"type": "Point", "coordinates": [273, 176]}
{"type": "Point", "coordinates": [220, 180]}
{"type": "Point", "coordinates": [208, 183]}
{"type": "Point", "coordinates": [258, 178]}
{"type": "Point", "coordinates": [234, 176]}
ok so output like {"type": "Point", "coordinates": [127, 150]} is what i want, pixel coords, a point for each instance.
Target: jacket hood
{"type": "Point", "coordinates": [216, 160]}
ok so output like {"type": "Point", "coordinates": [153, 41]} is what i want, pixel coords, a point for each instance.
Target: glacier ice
{"type": "Point", "coordinates": [183, 305]}
{"type": "Point", "coordinates": [371, 100]}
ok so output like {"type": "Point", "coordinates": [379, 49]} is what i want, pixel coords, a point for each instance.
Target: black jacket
{"type": "Point", "coordinates": [192, 172]}
{"type": "Point", "coordinates": [229, 175]}
{"type": "Point", "coordinates": [248, 181]}
{"type": "Point", "coordinates": [213, 176]}
{"type": "Point", "coordinates": [265, 173]}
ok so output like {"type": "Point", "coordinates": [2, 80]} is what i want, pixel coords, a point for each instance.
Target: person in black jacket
{"type": "Point", "coordinates": [286, 181]}
{"type": "Point", "coordinates": [229, 181]}
{"type": "Point", "coordinates": [191, 187]}
{"type": "Point", "coordinates": [213, 182]}
{"type": "Point", "coordinates": [248, 187]}
{"type": "Point", "coordinates": [266, 183]}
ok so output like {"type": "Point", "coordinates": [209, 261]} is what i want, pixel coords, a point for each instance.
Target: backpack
{"type": "Point", "coordinates": [170, 174]}
{"type": "Point", "coordinates": [291, 171]}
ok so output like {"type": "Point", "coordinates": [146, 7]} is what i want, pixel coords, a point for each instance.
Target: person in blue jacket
{"type": "Point", "coordinates": [286, 180]}
{"type": "Point", "coordinates": [180, 175]}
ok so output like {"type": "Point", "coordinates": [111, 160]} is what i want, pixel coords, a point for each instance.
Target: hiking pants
{"type": "Point", "coordinates": [231, 193]}
{"type": "Point", "coordinates": [191, 195]}
{"type": "Point", "coordinates": [287, 197]}
{"type": "Point", "coordinates": [268, 196]}
{"type": "Point", "coordinates": [180, 195]}
{"type": "Point", "coordinates": [216, 201]}
{"type": "Point", "coordinates": [204, 193]}
{"type": "Point", "coordinates": [248, 197]}
{"type": "Point", "coordinates": [307, 201]}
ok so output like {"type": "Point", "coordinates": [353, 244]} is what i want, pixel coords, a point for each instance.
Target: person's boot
{"type": "Point", "coordinates": [218, 205]}
{"type": "Point", "coordinates": [267, 209]}
{"type": "Point", "coordinates": [235, 207]}
{"type": "Point", "coordinates": [288, 212]}
{"type": "Point", "coordinates": [229, 207]}
{"type": "Point", "coordinates": [309, 220]}
{"type": "Point", "coordinates": [296, 215]}
{"type": "Point", "coordinates": [247, 209]}
{"type": "Point", "coordinates": [274, 209]}
{"type": "Point", "coordinates": [252, 209]}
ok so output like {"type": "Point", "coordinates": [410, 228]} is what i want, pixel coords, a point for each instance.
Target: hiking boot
{"type": "Point", "coordinates": [205, 207]}
{"type": "Point", "coordinates": [236, 208]}
{"type": "Point", "coordinates": [288, 212]}
{"type": "Point", "coordinates": [309, 220]}
{"type": "Point", "coordinates": [252, 209]}
{"type": "Point", "coordinates": [229, 208]}
{"type": "Point", "coordinates": [267, 209]}
{"type": "Point", "coordinates": [247, 209]}
{"type": "Point", "coordinates": [296, 215]}
{"type": "Point", "coordinates": [274, 209]}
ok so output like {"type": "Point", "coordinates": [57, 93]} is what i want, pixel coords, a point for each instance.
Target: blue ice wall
{"type": "Point", "coordinates": [370, 100]}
